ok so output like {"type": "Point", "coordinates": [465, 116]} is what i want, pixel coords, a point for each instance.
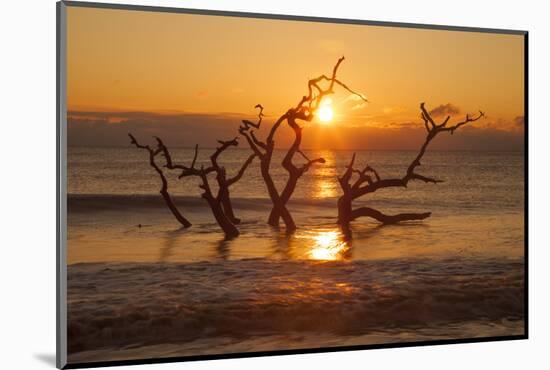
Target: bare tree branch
{"type": "Point", "coordinates": [269, 142]}
{"type": "Point", "coordinates": [346, 177]}
{"type": "Point", "coordinates": [365, 184]}
{"type": "Point", "coordinates": [220, 203]}
{"type": "Point", "coordinates": [257, 142]}
{"type": "Point", "coordinates": [459, 124]}
{"type": "Point", "coordinates": [387, 219]}
{"type": "Point", "coordinates": [248, 124]}
{"type": "Point", "coordinates": [252, 142]}
{"type": "Point", "coordinates": [316, 93]}
{"type": "Point", "coordinates": [223, 196]}
{"type": "Point", "coordinates": [224, 145]}
{"type": "Point", "coordinates": [317, 89]}
{"type": "Point", "coordinates": [426, 116]}
{"type": "Point", "coordinates": [164, 187]}
{"type": "Point", "coordinates": [240, 174]}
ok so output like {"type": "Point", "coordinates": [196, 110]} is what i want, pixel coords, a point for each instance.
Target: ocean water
{"type": "Point", "coordinates": [473, 180]}
{"type": "Point", "coordinates": [159, 291]}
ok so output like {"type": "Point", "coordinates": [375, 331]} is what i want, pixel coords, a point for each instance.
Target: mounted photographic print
{"type": "Point", "coordinates": [235, 184]}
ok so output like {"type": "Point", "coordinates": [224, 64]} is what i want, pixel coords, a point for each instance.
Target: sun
{"type": "Point", "coordinates": [325, 112]}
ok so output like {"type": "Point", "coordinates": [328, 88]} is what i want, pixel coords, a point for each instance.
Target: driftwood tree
{"type": "Point", "coordinates": [225, 183]}
{"type": "Point", "coordinates": [164, 182]}
{"type": "Point", "coordinates": [304, 111]}
{"type": "Point", "coordinates": [220, 202]}
{"type": "Point", "coordinates": [356, 183]}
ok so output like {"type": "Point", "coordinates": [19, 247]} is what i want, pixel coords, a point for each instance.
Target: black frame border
{"type": "Point", "coordinates": [61, 205]}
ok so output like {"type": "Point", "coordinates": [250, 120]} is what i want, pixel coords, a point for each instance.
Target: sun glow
{"type": "Point", "coordinates": [329, 246]}
{"type": "Point", "coordinates": [325, 185]}
{"type": "Point", "coordinates": [325, 111]}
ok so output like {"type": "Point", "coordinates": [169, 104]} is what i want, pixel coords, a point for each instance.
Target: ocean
{"type": "Point", "coordinates": [159, 290]}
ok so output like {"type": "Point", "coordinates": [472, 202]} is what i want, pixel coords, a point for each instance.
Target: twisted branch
{"type": "Point", "coordinates": [365, 184]}
{"type": "Point", "coordinates": [248, 124]}
{"type": "Point", "coordinates": [240, 174]}
{"type": "Point", "coordinates": [164, 182]}
{"type": "Point", "coordinates": [305, 111]}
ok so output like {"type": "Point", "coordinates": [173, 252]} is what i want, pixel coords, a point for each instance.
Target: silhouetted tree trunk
{"type": "Point", "coordinates": [223, 182]}
{"type": "Point", "coordinates": [164, 187]}
{"type": "Point", "coordinates": [294, 173]}
{"type": "Point", "coordinates": [264, 151]}
{"type": "Point", "coordinates": [304, 111]}
{"type": "Point", "coordinates": [220, 204]}
{"type": "Point", "coordinates": [368, 180]}
{"type": "Point", "coordinates": [217, 210]}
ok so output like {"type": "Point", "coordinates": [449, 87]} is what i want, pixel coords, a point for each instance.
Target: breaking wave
{"type": "Point", "coordinates": [115, 305]}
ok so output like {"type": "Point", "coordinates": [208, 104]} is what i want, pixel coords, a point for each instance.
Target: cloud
{"type": "Point", "coordinates": [445, 110]}
{"type": "Point", "coordinates": [353, 102]}
{"type": "Point", "coordinates": [519, 121]}
{"type": "Point", "coordinates": [177, 129]}
{"type": "Point", "coordinates": [394, 110]}
{"type": "Point", "coordinates": [514, 125]}
{"type": "Point", "coordinates": [359, 106]}
{"type": "Point", "coordinates": [405, 137]}
{"type": "Point", "coordinates": [187, 129]}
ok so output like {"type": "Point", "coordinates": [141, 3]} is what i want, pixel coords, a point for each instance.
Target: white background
{"type": "Point", "coordinates": [27, 181]}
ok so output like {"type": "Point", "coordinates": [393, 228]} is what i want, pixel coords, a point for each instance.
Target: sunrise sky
{"type": "Point", "coordinates": [183, 76]}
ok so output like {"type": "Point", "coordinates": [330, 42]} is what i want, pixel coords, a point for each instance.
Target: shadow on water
{"type": "Point", "coordinates": [170, 241]}
{"type": "Point", "coordinates": [223, 248]}
{"type": "Point", "coordinates": [283, 243]}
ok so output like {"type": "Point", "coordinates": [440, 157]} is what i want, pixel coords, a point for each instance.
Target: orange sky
{"type": "Point", "coordinates": [121, 60]}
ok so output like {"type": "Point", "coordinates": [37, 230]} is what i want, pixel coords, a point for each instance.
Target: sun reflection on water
{"type": "Point", "coordinates": [328, 246]}
{"type": "Point", "coordinates": [325, 184]}
{"type": "Point", "coordinates": [325, 189]}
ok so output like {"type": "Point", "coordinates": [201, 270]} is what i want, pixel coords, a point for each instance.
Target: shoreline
{"type": "Point", "coordinates": [113, 306]}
